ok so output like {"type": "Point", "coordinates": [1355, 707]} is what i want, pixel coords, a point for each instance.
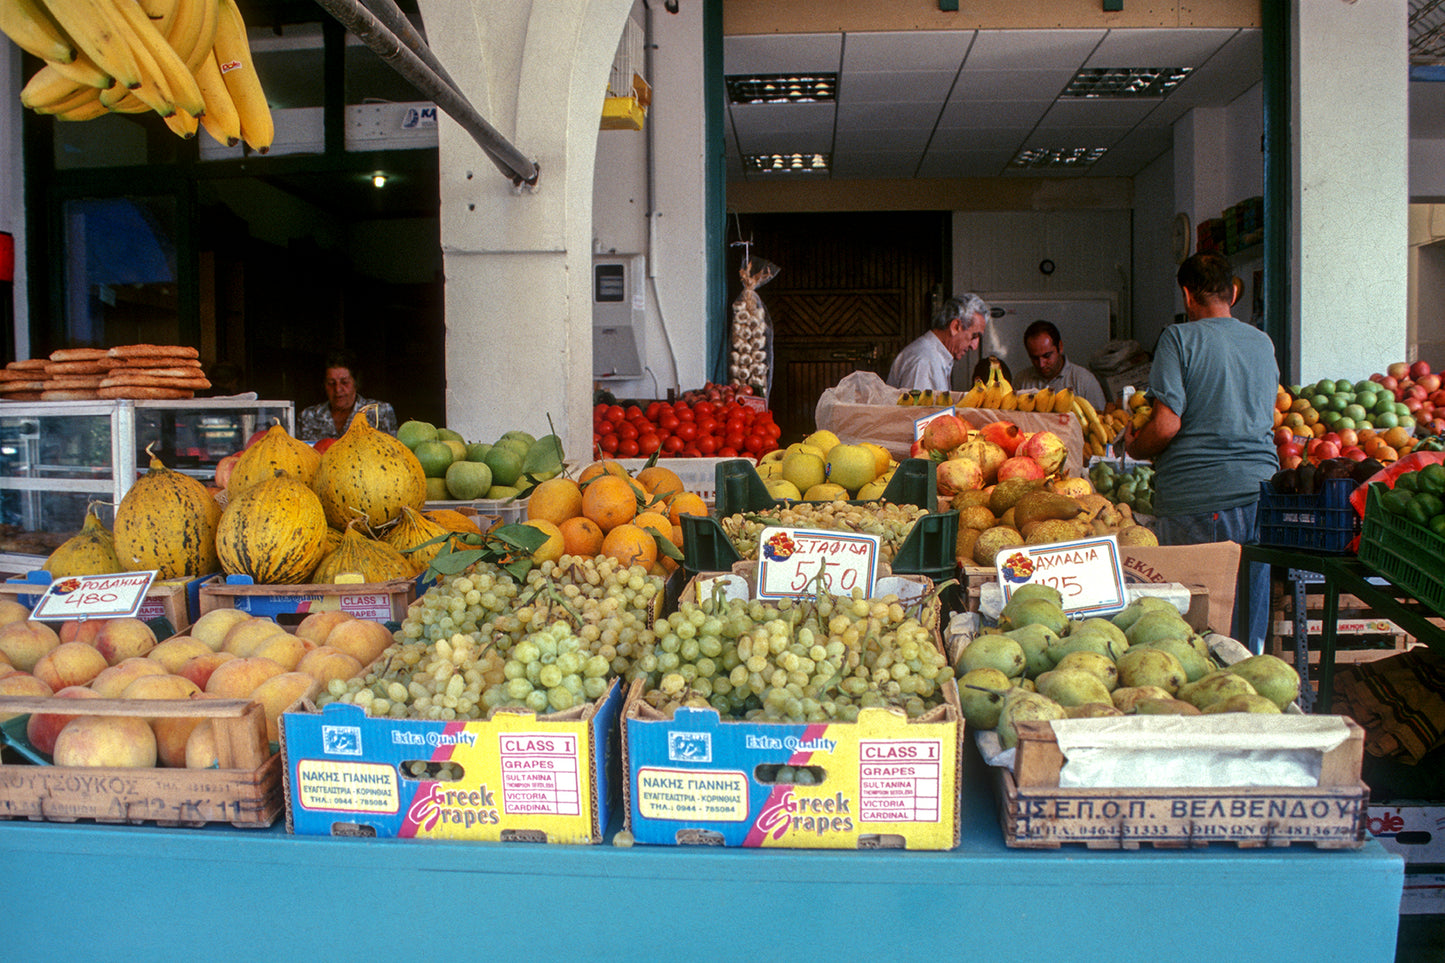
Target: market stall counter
{"type": "Point", "coordinates": [98, 892]}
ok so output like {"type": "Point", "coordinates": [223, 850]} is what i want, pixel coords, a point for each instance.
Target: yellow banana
{"type": "Point", "coordinates": [86, 110]}
{"type": "Point", "coordinates": [122, 101]}
{"type": "Point", "coordinates": [1003, 382]}
{"type": "Point", "coordinates": [1063, 401]}
{"type": "Point", "coordinates": [79, 97]}
{"type": "Point", "coordinates": [34, 31]}
{"type": "Point", "coordinates": [233, 56]}
{"type": "Point", "coordinates": [82, 70]}
{"type": "Point", "coordinates": [96, 28]}
{"type": "Point", "coordinates": [47, 88]}
{"type": "Point", "coordinates": [1026, 400]}
{"type": "Point", "coordinates": [973, 397]}
{"type": "Point", "coordinates": [183, 124]}
{"type": "Point", "coordinates": [1044, 399]}
{"type": "Point", "coordinates": [173, 79]}
{"type": "Point", "coordinates": [193, 30]}
{"type": "Point", "coordinates": [1009, 402]}
{"type": "Point", "coordinates": [161, 14]}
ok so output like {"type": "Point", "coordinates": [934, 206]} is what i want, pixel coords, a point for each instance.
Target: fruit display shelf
{"type": "Point", "coordinates": [1409, 555]}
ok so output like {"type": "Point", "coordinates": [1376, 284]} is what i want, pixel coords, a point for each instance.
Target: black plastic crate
{"type": "Point", "coordinates": [1409, 555]}
{"type": "Point", "coordinates": [1323, 522]}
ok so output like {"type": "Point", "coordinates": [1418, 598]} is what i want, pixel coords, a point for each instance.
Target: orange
{"type": "Point", "coordinates": [1318, 429]}
{"type": "Point", "coordinates": [660, 481]}
{"type": "Point", "coordinates": [1396, 436]}
{"type": "Point", "coordinates": [556, 500]}
{"type": "Point", "coordinates": [655, 522]}
{"type": "Point", "coordinates": [630, 545]}
{"type": "Point", "coordinates": [1385, 454]}
{"type": "Point", "coordinates": [552, 548]}
{"type": "Point", "coordinates": [606, 466]}
{"type": "Point", "coordinates": [609, 501]}
{"type": "Point", "coordinates": [685, 503]}
{"type": "Point", "coordinates": [581, 536]}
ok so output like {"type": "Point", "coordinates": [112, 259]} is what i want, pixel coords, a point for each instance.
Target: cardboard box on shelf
{"type": "Point", "coordinates": [175, 600]}
{"type": "Point", "coordinates": [378, 601]}
{"type": "Point", "coordinates": [1414, 829]}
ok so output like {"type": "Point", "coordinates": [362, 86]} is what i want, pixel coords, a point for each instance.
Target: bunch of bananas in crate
{"type": "Point", "coordinates": [187, 60]}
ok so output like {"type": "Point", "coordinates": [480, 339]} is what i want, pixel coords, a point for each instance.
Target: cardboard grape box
{"type": "Point", "coordinates": [244, 790]}
{"type": "Point", "coordinates": [883, 781]}
{"type": "Point", "coordinates": [377, 601]}
{"type": "Point", "coordinates": [524, 777]}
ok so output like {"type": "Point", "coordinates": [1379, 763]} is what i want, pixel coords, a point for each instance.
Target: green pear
{"type": "Point", "coordinates": [1125, 697]}
{"type": "Point", "coordinates": [1071, 687]}
{"type": "Point", "coordinates": [992, 652]}
{"type": "Point", "coordinates": [981, 693]}
{"type": "Point", "coordinates": [1035, 641]}
{"type": "Point", "coordinates": [1214, 687]}
{"type": "Point", "coordinates": [1245, 702]}
{"type": "Point", "coordinates": [1126, 616]}
{"type": "Point", "coordinates": [1272, 677]}
{"type": "Point", "coordinates": [1093, 662]}
{"type": "Point", "coordinates": [1163, 707]}
{"type": "Point", "coordinates": [1146, 666]}
{"type": "Point", "coordinates": [1037, 590]}
{"type": "Point", "coordinates": [1101, 625]}
{"type": "Point", "coordinates": [1020, 706]}
{"type": "Point", "coordinates": [1158, 625]}
{"type": "Point", "coordinates": [1091, 710]}
{"type": "Point", "coordinates": [1032, 611]}
{"type": "Point", "coordinates": [1195, 665]}
{"type": "Point", "coordinates": [1088, 642]}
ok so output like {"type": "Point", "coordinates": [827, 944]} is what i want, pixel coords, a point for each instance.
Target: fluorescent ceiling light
{"type": "Point", "coordinates": [787, 163]}
{"type": "Point", "coordinates": [1121, 83]}
{"type": "Point", "coordinates": [782, 88]}
{"type": "Point", "coordinates": [1057, 158]}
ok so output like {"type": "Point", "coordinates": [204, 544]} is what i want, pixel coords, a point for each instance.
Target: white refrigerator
{"type": "Point", "coordinates": [1083, 323]}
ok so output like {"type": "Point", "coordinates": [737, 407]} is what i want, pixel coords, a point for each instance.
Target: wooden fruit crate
{"type": "Point", "coordinates": [1361, 636]}
{"type": "Point", "coordinates": [1036, 813]}
{"type": "Point", "coordinates": [244, 791]}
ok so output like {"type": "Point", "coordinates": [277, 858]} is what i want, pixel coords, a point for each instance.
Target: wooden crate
{"type": "Point", "coordinates": [1360, 635]}
{"type": "Point", "coordinates": [378, 601]}
{"type": "Point", "coordinates": [163, 599]}
{"type": "Point", "coordinates": [1036, 813]}
{"type": "Point", "coordinates": [244, 791]}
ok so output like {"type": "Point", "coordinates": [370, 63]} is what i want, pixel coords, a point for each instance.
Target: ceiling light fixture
{"type": "Point", "coordinates": [378, 180]}
{"type": "Point", "coordinates": [782, 88]}
{"type": "Point", "coordinates": [788, 163]}
{"type": "Point", "coordinates": [1057, 158]}
{"type": "Point", "coordinates": [1122, 83]}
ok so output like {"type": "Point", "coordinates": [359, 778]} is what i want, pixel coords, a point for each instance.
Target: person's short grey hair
{"type": "Point", "coordinates": [963, 307]}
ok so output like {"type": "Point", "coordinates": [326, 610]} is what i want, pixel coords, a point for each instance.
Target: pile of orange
{"type": "Point", "coordinates": [607, 511]}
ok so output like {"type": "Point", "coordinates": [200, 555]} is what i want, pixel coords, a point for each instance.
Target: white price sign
{"type": "Point", "coordinates": [115, 596]}
{"type": "Point", "coordinates": [796, 563]}
{"type": "Point", "coordinates": [1088, 573]}
{"type": "Point", "coordinates": [921, 423]}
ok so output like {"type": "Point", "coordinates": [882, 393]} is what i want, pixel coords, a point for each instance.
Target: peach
{"type": "Point", "coordinates": [113, 681]}
{"type": "Point", "coordinates": [243, 637]}
{"type": "Point", "coordinates": [160, 687]}
{"type": "Point", "coordinates": [316, 626]}
{"type": "Point", "coordinates": [81, 630]}
{"type": "Point", "coordinates": [70, 663]}
{"type": "Point", "coordinates": [23, 643]}
{"type": "Point", "coordinates": [12, 611]}
{"type": "Point", "coordinates": [173, 652]}
{"type": "Point", "coordinates": [362, 639]}
{"type": "Point", "coordinates": [201, 747]}
{"type": "Point", "coordinates": [43, 727]}
{"type": "Point", "coordinates": [326, 662]}
{"type": "Point", "coordinates": [212, 627]}
{"type": "Point", "coordinates": [279, 692]}
{"type": "Point", "coordinates": [122, 742]}
{"type": "Point", "coordinates": [172, 734]}
{"type": "Point", "coordinates": [121, 639]}
{"type": "Point", "coordinates": [284, 648]}
{"type": "Point", "coordinates": [198, 668]}
{"type": "Point", "coordinates": [21, 684]}
{"type": "Point", "coordinates": [239, 677]}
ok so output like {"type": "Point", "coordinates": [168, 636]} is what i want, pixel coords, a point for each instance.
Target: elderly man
{"type": "Point", "coordinates": [1051, 369]}
{"type": "Point", "coordinates": [927, 361]}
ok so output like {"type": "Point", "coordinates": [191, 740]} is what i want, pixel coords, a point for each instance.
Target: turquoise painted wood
{"type": "Point", "coordinates": [97, 893]}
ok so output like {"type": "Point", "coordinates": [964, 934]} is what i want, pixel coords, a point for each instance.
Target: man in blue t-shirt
{"type": "Point", "coordinates": [1213, 382]}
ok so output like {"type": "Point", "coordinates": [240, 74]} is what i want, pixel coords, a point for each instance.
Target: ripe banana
{"type": "Point", "coordinates": [82, 70]}
{"type": "Point", "coordinates": [183, 124]}
{"type": "Point", "coordinates": [193, 30]}
{"type": "Point", "coordinates": [1009, 402]}
{"type": "Point", "coordinates": [85, 110]}
{"type": "Point", "coordinates": [221, 120]}
{"type": "Point", "coordinates": [233, 56]}
{"type": "Point", "coordinates": [79, 97]}
{"type": "Point", "coordinates": [173, 80]}
{"type": "Point", "coordinates": [47, 88]}
{"type": "Point", "coordinates": [1044, 399]}
{"type": "Point", "coordinates": [96, 28]}
{"type": "Point", "coordinates": [161, 13]}
{"type": "Point", "coordinates": [1063, 401]}
{"type": "Point", "coordinates": [973, 397]}
{"type": "Point", "coordinates": [1026, 400]}
{"type": "Point", "coordinates": [34, 31]}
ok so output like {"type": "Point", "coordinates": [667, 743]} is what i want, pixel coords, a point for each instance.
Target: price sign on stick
{"type": "Point", "coordinates": [921, 423]}
{"type": "Point", "coordinates": [795, 563]}
{"type": "Point", "coordinates": [1088, 573]}
{"type": "Point", "coordinates": [115, 596]}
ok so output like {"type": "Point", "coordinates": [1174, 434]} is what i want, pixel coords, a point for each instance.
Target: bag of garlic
{"type": "Point", "coordinates": [751, 357]}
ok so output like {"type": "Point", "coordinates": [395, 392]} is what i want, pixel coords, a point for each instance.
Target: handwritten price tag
{"type": "Point", "coordinates": [795, 563]}
{"type": "Point", "coordinates": [94, 597]}
{"type": "Point", "coordinates": [921, 423]}
{"type": "Point", "coordinates": [1088, 573]}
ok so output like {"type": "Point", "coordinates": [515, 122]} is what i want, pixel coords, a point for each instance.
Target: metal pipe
{"type": "Point", "coordinates": [394, 20]}
{"type": "Point", "coordinates": [360, 21]}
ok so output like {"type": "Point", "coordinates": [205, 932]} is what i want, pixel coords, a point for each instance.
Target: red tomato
{"type": "Point", "coordinates": [727, 452]}
{"type": "Point", "coordinates": [686, 430]}
{"type": "Point", "coordinates": [672, 444]}
{"type": "Point", "coordinates": [772, 431]}
{"type": "Point", "coordinates": [706, 426]}
{"type": "Point", "coordinates": [648, 443]}
{"type": "Point", "coordinates": [735, 439]}
{"type": "Point", "coordinates": [627, 431]}
{"type": "Point", "coordinates": [599, 411]}
{"type": "Point", "coordinates": [706, 444]}
{"type": "Point", "coordinates": [684, 413]}
{"type": "Point", "coordinates": [668, 421]}
{"type": "Point", "coordinates": [627, 448]}
{"type": "Point", "coordinates": [757, 444]}
{"type": "Point", "coordinates": [615, 414]}
{"type": "Point", "coordinates": [634, 412]}
{"type": "Point", "coordinates": [655, 409]}
{"type": "Point", "coordinates": [608, 442]}
{"type": "Point", "coordinates": [704, 408]}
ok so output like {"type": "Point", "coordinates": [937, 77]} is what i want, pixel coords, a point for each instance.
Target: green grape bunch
{"type": "Point", "coordinates": [892, 523]}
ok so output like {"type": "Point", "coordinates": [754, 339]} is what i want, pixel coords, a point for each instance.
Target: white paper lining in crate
{"type": "Point", "coordinates": [698, 475]}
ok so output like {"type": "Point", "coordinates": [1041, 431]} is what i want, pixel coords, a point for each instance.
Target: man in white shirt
{"type": "Point", "coordinates": [927, 361]}
{"type": "Point", "coordinates": [1051, 369]}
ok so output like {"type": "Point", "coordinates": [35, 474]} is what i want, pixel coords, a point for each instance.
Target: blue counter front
{"type": "Point", "coordinates": [96, 893]}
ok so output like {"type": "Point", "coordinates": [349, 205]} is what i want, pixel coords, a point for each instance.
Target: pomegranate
{"type": "Point", "coordinates": [958, 475]}
{"type": "Point", "coordinates": [1047, 449]}
{"type": "Point", "coordinates": [1021, 466]}
{"type": "Point", "coordinates": [945, 433]}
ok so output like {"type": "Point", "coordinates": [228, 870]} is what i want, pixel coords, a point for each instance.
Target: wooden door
{"type": "Point", "coordinates": [852, 289]}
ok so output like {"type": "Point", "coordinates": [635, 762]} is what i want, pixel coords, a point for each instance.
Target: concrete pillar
{"type": "Point", "coordinates": [518, 264]}
{"type": "Point", "coordinates": [1351, 147]}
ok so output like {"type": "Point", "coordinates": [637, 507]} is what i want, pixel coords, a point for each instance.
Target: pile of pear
{"type": "Point", "coordinates": [1145, 660]}
{"type": "Point", "coordinates": [1037, 511]}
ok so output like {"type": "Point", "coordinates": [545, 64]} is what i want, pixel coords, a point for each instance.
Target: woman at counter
{"type": "Point", "coordinates": [330, 418]}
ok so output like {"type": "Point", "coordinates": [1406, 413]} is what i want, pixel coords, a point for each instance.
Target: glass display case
{"type": "Point", "coordinates": [56, 457]}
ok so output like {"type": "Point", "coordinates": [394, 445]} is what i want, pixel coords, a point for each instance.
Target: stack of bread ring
{"type": "Point", "coordinates": [137, 371]}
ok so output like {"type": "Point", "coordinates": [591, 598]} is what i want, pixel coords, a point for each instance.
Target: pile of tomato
{"type": "Point", "coordinates": [704, 429]}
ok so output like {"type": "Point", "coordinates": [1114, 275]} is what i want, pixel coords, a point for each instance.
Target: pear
{"type": "Point", "coordinates": [1214, 687]}
{"type": "Point", "coordinates": [992, 652]}
{"type": "Point", "coordinates": [1163, 707]}
{"type": "Point", "coordinates": [1035, 641]}
{"type": "Point", "coordinates": [1272, 677]}
{"type": "Point", "coordinates": [1088, 642]}
{"type": "Point", "coordinates": [1141, 605]}
{"type": "Point", "coordinates": [1037, 590]}
{"type": "Point", "coordinates": [1033, 611]}
{"type": "Point", "coordinates": [1073, 686]}
{"type": "Point", "coordinates": [1158, 625]}
{"type": "Point", "coordinates": [981, 693]}
{"type": "Point", "coordinates": [1103, 626]}
{"type": "Point", "coordinates": [1019, 706]}
{"type": "Point", "coordinates": [1246, 702]}
{"type": "Point", "coordinates": [1091, 710]}
{"type": "Point", "coordinates": [1195, 665]}
{"type": "Point", "coordinates": [1093, 662]}
{"type": "Point", "coordinates": [1125, 697]}
{"type": "Point", "coordinates": [1146, 666]}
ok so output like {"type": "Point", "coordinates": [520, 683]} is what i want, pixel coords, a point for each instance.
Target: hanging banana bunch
{"type": "Point", "coordinates": [187, 60]}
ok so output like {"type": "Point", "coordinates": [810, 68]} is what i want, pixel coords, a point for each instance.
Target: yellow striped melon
{"type": "Point", "coordinates": [368, 475]}
{"type": "Point", "coordinates": [373, 560]}
{"type": "Point", "coordinates": [90, 551]}
{"type": "Point", "coordinates": [167, 522]}
{"type": "Point", "coordinates": [274, 531]}
{"type": "Point", "coordinates": [275, 453]}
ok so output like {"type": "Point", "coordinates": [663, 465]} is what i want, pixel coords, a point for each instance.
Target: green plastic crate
{"type": "Point", "coordinates": [1409, 555]}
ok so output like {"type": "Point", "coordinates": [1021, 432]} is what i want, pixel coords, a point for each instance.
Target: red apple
{"type": "Point", "coordinates": [1282, 435]}
{"type": "Point", "coordinates": [1430, 382]}
{"type": "Point", "coordinates": [1377, 378]}
{"type": "Point", "coordinates": [1353, 453]}
{"type": "Point", "coordinates": [1331, 436]}
{"type": "Point", "coordinates": [1324, 450]}
{"type": "Point", "coordinates": [1290, 461]}
{"type": "Point", "coordinates": [1413, 404]}
{"type": "Point", "coordinates": [1417, 391]}
{"type": "Point", "coordinates": [1437, 397]}
{"type": "Point", "coordinates": [1389, 383]}
{"type": "Point", "coordinates": [1419, 369]}
{"type": "Point", "coordinates": [1398, 370]}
